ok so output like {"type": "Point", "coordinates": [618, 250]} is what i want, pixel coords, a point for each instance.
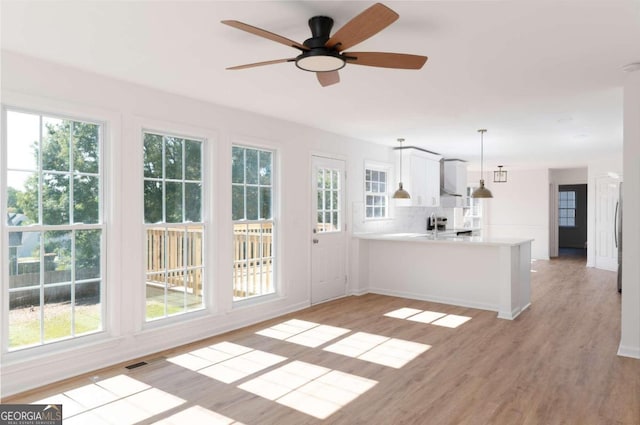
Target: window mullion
{"type": "Point", "coordinates": [164, 181]}
{"type": "Point", "coordinates": [40, 179]}
{"type": "Point", "coordinates": [244, 181]}
{"type": "Point", "coordinates": [42, 278]}
{"type": "Point", "coordinates": [72, 288]}
{"type": "Point", "coordinates": [71, 173]}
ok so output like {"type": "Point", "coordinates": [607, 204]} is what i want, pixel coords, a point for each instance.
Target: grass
{"type": "Point", "coordinates": [24, 324]}
{"type": "Point", "coordinates": [175, 302]}
{"type": "Point", "coordinates": [155, 309]}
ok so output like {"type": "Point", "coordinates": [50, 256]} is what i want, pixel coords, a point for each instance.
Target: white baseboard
{"type": "Point", "coordinates": [441, 300]}
{"type": "Point", "coordinates": [32, 372]}
{"type": "Point", "coordinates": [625, 351]}
{"type": "Point", "coordinates": [513, 314]}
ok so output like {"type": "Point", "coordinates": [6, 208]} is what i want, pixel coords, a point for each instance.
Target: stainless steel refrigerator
{"type": "Point", "coordinates": [618, 235]}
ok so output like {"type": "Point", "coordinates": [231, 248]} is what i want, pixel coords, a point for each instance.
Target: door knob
{"type": "Point", "coordinates": [316, 241]}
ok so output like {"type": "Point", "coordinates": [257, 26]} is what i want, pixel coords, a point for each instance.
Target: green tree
{"type": "Point", "coordinates": [70, 153]}
{"type": "Point", "coordinates": [12, 201]}
{"type": "Point", "coordinates": [251, 173]}
{"type": "Point", "coordinates": [175, 164]}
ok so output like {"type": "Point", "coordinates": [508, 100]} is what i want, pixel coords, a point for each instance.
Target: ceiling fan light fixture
{"type": "Point", "coordinates": [320, 61]}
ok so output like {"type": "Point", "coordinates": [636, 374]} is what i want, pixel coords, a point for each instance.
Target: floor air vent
{"type": "Point", "coordinates": [135, 365]}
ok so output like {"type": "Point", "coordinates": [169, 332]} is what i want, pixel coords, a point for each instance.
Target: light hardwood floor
{"type": "Point", "coordinates": [555, 364]}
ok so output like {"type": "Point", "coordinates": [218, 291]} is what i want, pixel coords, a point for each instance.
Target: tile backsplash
{"type": "Point", "coordinates": [404, 220]}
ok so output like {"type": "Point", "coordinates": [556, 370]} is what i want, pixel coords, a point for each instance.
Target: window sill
{"type": "Point", "coordinates": [98, 342]}
{"type": "Point", "coordinates": [257, 300]}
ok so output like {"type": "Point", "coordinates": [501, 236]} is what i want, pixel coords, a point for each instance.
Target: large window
{"type": "Point", "coordinates": [567, 208]}
{"type": "Point", "coordinates": [375, 192]}
{"type": "Point", "coordinates": [55, 228]}
{"type": "Point", "coordinates": [253, 222]}
{"type": "Point", "coordinates": [174, 226]}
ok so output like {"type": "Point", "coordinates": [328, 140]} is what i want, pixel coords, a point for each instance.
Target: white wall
{"type": "Point", "coordinates": [519, 208]}
{"type": "Point", "coordinates": [560, 176]}
{"type": "Point", "coordinates": [630, 332]}
{"type": "Point", "coordinates": [126, 109]}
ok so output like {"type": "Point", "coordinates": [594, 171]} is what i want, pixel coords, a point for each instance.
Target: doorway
{"type": "Point", "coordinates": [572, 220]}
{"type": "Point", "coordinates": [328, 243]}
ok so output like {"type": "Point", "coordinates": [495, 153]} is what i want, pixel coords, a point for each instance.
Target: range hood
{"type": "Point", "coordinates": [449, 177]}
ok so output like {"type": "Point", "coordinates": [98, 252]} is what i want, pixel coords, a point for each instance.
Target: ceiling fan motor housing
{"type": "Point", "coordinates": [319, 57]}
{"type": "Point", "coordinates": [320, 31]}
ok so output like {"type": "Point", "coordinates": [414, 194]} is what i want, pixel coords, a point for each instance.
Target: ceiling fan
{"type": "Point", "coordinates": [325, 54]}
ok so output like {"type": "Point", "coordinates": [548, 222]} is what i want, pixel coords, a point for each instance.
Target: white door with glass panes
{"type": "Point", "coordinates": [328, 239]}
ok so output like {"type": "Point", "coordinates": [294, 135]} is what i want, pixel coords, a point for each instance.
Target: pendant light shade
{"type": "Point", "coordinates": [482, 192]}
{"type": "Point", "coordinates": [401, 193]}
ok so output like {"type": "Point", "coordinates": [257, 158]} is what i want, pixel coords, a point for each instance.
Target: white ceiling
{"type": "Point", "coordinates": [544, 77]}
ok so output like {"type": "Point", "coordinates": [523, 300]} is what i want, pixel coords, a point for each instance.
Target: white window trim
{"type": "Point", "coordinates": [278, 292]}
{"type": "Point", "coordinates": [206, 283]}
{"type": "Point", "coordinates": [377, 166]}
{"type": "Point", "coordinates": [137, 299]}
{"type": "Point", "coordinates": [110, 123]}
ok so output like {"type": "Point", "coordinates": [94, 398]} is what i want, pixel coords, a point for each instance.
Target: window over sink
{"type": "Point", "coordinates": [376, 187]}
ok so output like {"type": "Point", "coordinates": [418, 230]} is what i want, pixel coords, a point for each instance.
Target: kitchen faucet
{"type": "Point", "coordinates": [434, 224]}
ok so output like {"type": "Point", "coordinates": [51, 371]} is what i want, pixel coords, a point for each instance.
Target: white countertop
{"type": "Point", "coordinates": [442, 238]}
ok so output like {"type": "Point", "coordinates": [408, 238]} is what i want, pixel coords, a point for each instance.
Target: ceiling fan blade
{"type": "Point", "coordinates": [266, 34]}
{"type": "Point", "coordinates": [328, 78]}
{"type": "Point", "coordinates": [366, 24]}
{"type": "Point", "coordinates": [386, 60]}
{"type": "Point", "coordinates": [253, 65]}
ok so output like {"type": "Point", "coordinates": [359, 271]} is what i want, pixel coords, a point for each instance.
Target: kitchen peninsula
{"type": "Point", "coordinates": [472, 271]}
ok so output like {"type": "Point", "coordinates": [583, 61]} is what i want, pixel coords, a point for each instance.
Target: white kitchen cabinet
{"type": "Point", "coordinates": [420, 177]}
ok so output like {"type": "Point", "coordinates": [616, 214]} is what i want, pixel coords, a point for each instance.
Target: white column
{"type": "Point", "coordinates": [630, 334]}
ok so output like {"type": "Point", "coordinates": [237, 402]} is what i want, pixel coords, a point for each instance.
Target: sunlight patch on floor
{"type": "Point", "coordinates": [315, 390]}
{"type": "Point", "coordinates": [226, 362]}
{"type": "Point", "coordinates": [451, 321]}
{"type": "Point", "coordinates": [196, 415]}
{"type": "Point", "coordinates": [239, 367]}
{"type": "Point", "coordinates": [426, 316]}
{"type": "Point", "coordinates": [431, 317]}
{"type": "Point", "coordinates": [305, 333]}
{"type": "Point", "coordinates": [120, 399]}
{"type": "Point", "coordinates": [378, 349]}
{"type": "Point", "coordinates": [203, 357]}
{"type": "Point", "coordinates": [403, 313]}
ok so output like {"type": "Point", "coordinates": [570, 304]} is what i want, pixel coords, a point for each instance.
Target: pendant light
{"type": "Point", "coordinates": [401, 193]}
{"type": "Point", "coordinates": [500, 175]}
{"type": "Point", "coordinates": [481, 192]}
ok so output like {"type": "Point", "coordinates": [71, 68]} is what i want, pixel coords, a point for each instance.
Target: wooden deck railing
{"type": "Point", "coordinates": [252, 262]}
{"type": "Point", "coordinates": [175, 247]}
{"type": "Point", "coordinates": [253, 259]}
